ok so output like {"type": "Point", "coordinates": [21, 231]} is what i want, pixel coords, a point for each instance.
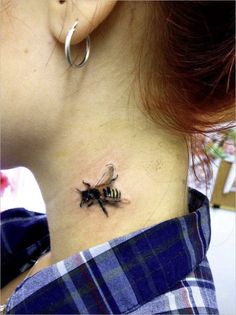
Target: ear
{"type": "Point", "coordinates": [89, 13]}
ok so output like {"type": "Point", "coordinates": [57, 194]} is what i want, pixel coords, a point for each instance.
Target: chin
{"type": "Point", "coordinates": [7, 163]}
{"type": "Point", "coordinates": [10, 156]}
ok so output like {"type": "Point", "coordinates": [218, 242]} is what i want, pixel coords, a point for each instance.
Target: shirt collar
{"type": "Point", "coordinates": [123, 272]}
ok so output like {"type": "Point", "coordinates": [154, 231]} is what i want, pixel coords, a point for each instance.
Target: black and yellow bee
{"type": "Point", "coordinates": [102, 192]}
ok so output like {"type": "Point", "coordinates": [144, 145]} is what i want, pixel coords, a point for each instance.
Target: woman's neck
{"type": "Point", "coordinates": [152, 165]}
{"type": "Point", "coordinates": [98, 119]}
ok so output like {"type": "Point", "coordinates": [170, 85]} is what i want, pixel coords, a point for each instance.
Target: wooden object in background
{"type": "Point", "coordinates": [219, 199]}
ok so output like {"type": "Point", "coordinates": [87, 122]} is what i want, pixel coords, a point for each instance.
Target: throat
{"type": "Point", "coordinates": [80, 228]}
{"type": "Point", "coordinates": [152, 176]}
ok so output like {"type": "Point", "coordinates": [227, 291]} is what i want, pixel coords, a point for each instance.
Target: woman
{"type": "Point", "coordinates": [156, 73]}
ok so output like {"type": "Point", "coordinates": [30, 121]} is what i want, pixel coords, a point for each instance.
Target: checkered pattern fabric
{"type": "Point", "coordinates": [24, 238]}
{"type": "Point", "coordinates": [161, 269]}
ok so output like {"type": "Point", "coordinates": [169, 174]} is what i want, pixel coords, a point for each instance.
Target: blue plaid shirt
{"type": "Point", "coordinates": [161, 269]}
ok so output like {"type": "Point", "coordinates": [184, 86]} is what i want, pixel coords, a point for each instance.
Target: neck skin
{"type": "Point", "coordinates": [152, 167]}
{"type": "Point", "coordinates": [99, 121]}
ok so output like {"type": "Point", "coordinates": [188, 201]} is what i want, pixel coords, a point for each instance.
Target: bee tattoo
{"type": "Point", "coordinates": [102, 192]}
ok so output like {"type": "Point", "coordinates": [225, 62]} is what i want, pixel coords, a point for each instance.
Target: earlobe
{"type": "Point", "coordinates": [90, 14]}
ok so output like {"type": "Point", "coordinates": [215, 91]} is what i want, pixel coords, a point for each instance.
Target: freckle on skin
{"type": "Point", "coordinates": [26, 51]}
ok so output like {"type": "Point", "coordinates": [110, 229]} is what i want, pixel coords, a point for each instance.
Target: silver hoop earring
{"type": "Point", "coordinates": [67, 48]}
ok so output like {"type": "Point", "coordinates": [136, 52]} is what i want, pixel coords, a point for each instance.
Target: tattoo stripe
{"type": "Point", "coordinates": [111, 192]}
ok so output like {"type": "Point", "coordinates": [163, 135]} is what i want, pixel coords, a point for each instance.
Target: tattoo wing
{"type": "Point", "coordinates": [106, 177]}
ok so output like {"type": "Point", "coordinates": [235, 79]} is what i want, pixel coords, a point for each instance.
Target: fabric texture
{"type": "Point", "coordinates": [24, 238]}
{"type": "Point", "coordinates": [161, 269]}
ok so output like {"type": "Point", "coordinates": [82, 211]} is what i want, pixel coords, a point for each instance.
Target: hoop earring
{"type": "Point", "coordinates": [67, 48]}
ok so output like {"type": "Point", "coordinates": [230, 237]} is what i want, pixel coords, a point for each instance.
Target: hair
{"type": "Point", "coordinates": [193, 62]}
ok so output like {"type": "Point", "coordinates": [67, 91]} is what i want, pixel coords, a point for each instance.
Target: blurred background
{"type": "Point", "coordinates": [20, 189]}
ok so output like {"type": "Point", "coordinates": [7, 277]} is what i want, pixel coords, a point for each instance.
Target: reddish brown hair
{"type": "Point", "coordinates": [192, 45]}
{"type": "Point", "coordinates": [197, 41]}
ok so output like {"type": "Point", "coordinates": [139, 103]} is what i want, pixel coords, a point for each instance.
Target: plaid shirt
{"type": "Point", "coordinates": [24, 238]}
{"type": "Point", "coordinates": [161, 269]}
